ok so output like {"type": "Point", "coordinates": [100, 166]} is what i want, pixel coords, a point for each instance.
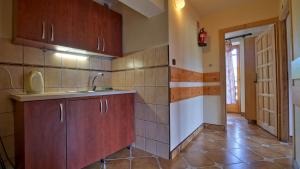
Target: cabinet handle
{"type": "Point", "coordinates": [103, 47]}
{"type": "Point", "coordinates": [101, 105]}
{"type": "Point", "coordinates": [52, 33]}
{"type": "Point", "coordinates": [98, 43]}
{"type": "Point", "coordinates": [43, 30]}
{"type": "Point", "coordinates": [61, 106]}
{"type": "Point", "coordinates": [106, 104]}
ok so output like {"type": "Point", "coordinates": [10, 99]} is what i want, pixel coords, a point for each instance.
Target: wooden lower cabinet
{"type": "Point", "coordinates": [72, 133]}
{"type": "Point", "coordinates": [40, 135]}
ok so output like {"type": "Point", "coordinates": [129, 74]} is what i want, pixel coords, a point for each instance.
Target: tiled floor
{"type": "Point", "coordinates": [244, 146]}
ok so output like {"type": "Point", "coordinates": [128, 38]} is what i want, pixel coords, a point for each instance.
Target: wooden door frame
{"type": "Point", "coordinates": [281, 69]}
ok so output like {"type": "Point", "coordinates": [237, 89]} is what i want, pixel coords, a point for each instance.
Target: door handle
{"type": "Point", "coordinates": [255, 81]}
{"type": "Point", "coordinates": [101, 106]}
{"type": "Point", "coordinates": [103, 43]}
{"type": "Point", "coordinates": [52, 33]}
{"type": "Point", "coordinates": [43, 30]}
{"type": "Point", "coordinates": [61, 106]}
{"type": "Point", "coordinates": [98, 43]}
{"type": "Point", "coordinates": [106, 104]}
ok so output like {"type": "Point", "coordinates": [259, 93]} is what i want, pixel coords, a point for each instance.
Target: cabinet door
{"type": "Point", "coordinates": [84, 133]}
{"type": "Point", "coordinates": [59, 23]}
{"type": "Point", "coordinates": [31, 20]}
{"type": "Point", "coordinates": [116, 34]}
{"type": "Point", "coordinates": [118, 122]}
{"type": "Point", "coordinates": [83, 28]}
{"type": "Point", "coordinates": [45, 134]}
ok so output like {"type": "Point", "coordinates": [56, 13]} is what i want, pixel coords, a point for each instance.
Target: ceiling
{"type": "Point", "coordinates": [205, 7]}
{"type": "Point", "coordinates": [255, 31]}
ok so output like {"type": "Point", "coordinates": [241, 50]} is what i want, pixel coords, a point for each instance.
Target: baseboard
{"type": "Point", "coordinates": [252, 122]}
{"type": "Point", "coordinates": [214, 127]}
{"type": "Point", "coordinates": [184, 143]}
{"type": "Point", "coordinates": [296, 165]}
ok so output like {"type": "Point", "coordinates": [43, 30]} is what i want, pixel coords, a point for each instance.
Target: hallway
{"type": "Point", "coordinates": [245, 146]}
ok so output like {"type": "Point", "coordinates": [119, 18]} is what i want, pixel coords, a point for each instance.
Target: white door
{"type": "Point", "coordinates": [266, 81]}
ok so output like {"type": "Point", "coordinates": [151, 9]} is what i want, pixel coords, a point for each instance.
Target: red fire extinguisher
{"type": "Point", "coordinates": [202, 38]}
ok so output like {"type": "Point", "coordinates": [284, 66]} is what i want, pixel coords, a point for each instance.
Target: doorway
{"type": "Point", "coordinates": [251, 75]}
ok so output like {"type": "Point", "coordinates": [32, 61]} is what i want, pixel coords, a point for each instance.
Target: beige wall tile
{"type": "Point", "coordinates": [115, 64]}
{"type": "Point", "coordinates": [162, 114]}
{"type": "Point", "coordinates": [10, 53]}
{"type": "Point", "coordinates": [96, 63]}
{"type": "Point", "coordinates": [51, 59]}
{"type": "Point", "coordinates": [162, 95]}
{"type": "Point", "coordinates": [129, 62]}
{"type": "Point", "coordinates": [6, 124]}
{"type": "Point", "coordinates": [151, 146]}
{"type": "Point", "coordinates": [139, 77]}
{"type": "Point", "coordinates": [150, 112]}
{"type": "Point", "coordinates": [27, 71]}
{"type": "Point", "coordinates": [53, 90]}
{"type": "Point", "coordinates": [162, 150]}
{"type": "Point", "coordinates": [106, 64]}
{"type": "Point", "coordinates": [129, 78]}
{"type": "Point", "coordinates": [140, 142]}
{"type": "Point", "coordinates": [140, 94]}
{"type": "Point", "coordinates": [140, 127]}
{"type": "Point", "coordinates": [162, 78]}
{"type": "Point", "coordinates": [138, 60]}
{"type": "Point", "coordinates": [118, 79]}
{"type": "Point", "coordinates": [69, 62]}
{"type": "Point", "coordinates": [53, 78]}
{"type": "Point", "coordinates": [16, 75]}
{"type": "Point", "coordinates": [34, 56]}
{"type": "Point", "coordinates": [107, 79]}
{"type": "Point", "coordinates": [150, 130]}
{"type": "Point", "coordinates": [150, 77]}
{"type": "Point", "coordinates": [150, 95]}
{"type": "Point", "coordinates": [69, 78]}
{"type": "Point", "coordinates": [162, 56]}
{"type": "Point", "coordinates": [5, 102]}
{"type": "Point", "coordinates": [139, 111]}
{"type": "Point", "coordinates": [83, 63]}
{"type": "Point", "coordinates": [149, 57]}
{"type": "Point", "coordinates": [162, 133]}
{"type": "Point", "coordinates": [83, 78]}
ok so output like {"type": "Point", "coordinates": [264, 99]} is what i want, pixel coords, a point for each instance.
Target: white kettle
{"type": "Point", "coordinates": [35, 83]}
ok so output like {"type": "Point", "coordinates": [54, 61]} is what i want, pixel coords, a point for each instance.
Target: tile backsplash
{"type": "Point", "coordinates": [60, 74]}
{"type": "Point", "coordinates": [147, 72]}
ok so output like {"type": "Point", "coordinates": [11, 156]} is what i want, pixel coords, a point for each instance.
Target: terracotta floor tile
{"type": "Point", "coordinates": [177, 163]}
{"type": "Point", "coordinates": [283, 149]}
{"type": "Point", "coordinates": [223, 157]}
{"type": "Point", "coordinates": [118, 164]}
{"type": "Point", "coordinates": [197, 159]}
{"type": "Point", "coordinates": [238, 166]}
{"type": "Point", "coordinates": [124, 153]}
{"type": "Point", "coordinates": [286, 163]}
{"type": "Point", "coordinates": [145, 163]}
{"type": "Point", "coordinates": [245, 155]}
{"type": "Point", "coordinates": [266, 152]}
{"type": "Point", "coordinates": [140, 153]}
{"type": "Point", "coordinates": [264, 165]}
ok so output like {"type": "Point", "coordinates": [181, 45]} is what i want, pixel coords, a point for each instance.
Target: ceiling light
{"type": "Point", "coordinates": [179, 4]}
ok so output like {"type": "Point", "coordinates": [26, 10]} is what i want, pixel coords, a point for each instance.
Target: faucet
{"type": "Point", "coordinates": [94, 79]}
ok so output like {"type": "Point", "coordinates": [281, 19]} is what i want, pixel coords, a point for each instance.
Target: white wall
{"type": "Point", "coordinates": [140, 32]}
{"type": "Point", "coordinates": [186, 115]}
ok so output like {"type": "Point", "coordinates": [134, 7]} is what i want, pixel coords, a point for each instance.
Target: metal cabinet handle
{"type": "Point", "coordinates": [101, 106]}
{"type": "Point", "coordinates": [98, 43]}
{"type": "Point", "coordinates": [106, 103]}
{"type": "Point", "coordinates": [103, 47]}
{"type": "Point", "coordinates": [43, 30]}
{"type": "Point", "coordinates": [61, 106]}
{"type": "Point", "coordinates": [52, 33]}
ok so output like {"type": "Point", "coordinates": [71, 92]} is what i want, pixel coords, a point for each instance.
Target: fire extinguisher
{"type": "Point", "coordinates": [202, 38]}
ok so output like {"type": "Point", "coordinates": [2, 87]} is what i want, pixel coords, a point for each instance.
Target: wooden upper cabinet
{"type": "Point", "coordinates": [59, 23]}
{"type": "Point", "coordinates": [30, 20]}
{"type": "Point", "coordinates": [82, 24]}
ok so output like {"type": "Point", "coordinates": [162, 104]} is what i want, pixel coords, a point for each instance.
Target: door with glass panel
{"type": "Point", "coordinates": [232, 78]}
{"type": "Point", "coordinates": [266, 81]}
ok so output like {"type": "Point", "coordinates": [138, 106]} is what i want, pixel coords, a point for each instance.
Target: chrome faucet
{"type": "Point", "coordinates": [94, 79]}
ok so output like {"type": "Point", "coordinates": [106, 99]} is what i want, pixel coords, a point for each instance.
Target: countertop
{"type": "Point", "coordinates": [66, 95]}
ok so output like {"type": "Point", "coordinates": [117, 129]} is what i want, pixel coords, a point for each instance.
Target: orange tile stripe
{"type": "Point", "coordinates": [183, 75]}
{"type": "Point", "coordinates": [182, 93]}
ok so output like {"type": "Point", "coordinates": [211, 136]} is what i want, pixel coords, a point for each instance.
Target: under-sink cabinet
{"type": "Point", "coordinates": [72, 133]}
